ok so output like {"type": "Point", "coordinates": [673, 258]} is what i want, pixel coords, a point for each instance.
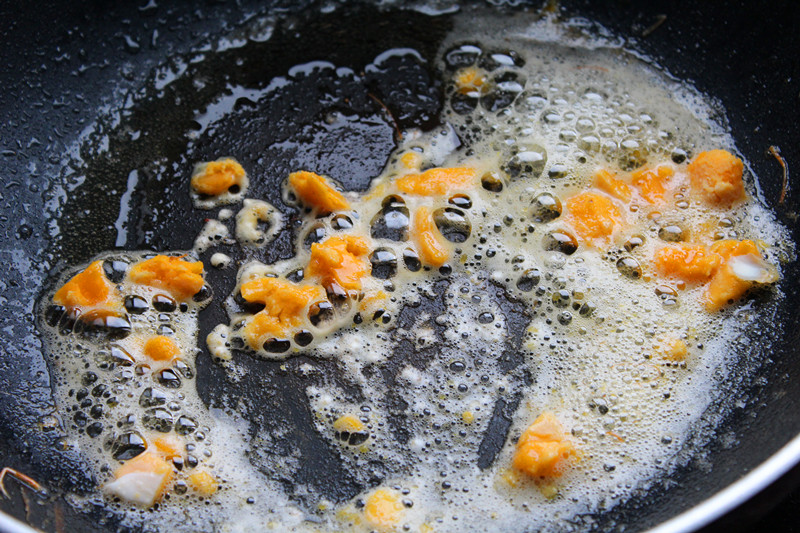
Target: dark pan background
{"type": "Point", "coordinates": [60, 61]}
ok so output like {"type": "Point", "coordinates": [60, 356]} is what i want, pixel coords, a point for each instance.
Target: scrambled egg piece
{"type": "Point", "coordinates": [217, 177]}
{"type": "Point", "coordinates": [593, 216]}
{"type": "Point", "coordinates": [183, 279]}
{"type": "Point", "coordinates": [438, 181]}
{"type": "Point", "coordinates": [285, 306]}
{"type": "Point", "coordinates": [383, 509]}
{"type": "Point", "coordinates": [340, 261]}
{"type": "Point", "coordinates": [431, 245]}
{"type": "Point", "coordinates": [717, 176]}
{"type": "Point", "coordinates": [543, 449]}
{"type": "Point", "coordinates": [91, 293]}
{"type": "Point", "coordinates": [316, 192]}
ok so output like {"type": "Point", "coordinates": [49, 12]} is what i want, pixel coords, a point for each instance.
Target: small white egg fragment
{"type": "Point", "coordinates": [212, 234]}
{"type": "Point", "coordinates": [220, 260]}
{"type": "Point", "coordinates": [248, 218]}
{"type": "Point", "coordinates": [141, 480]}
{"type": "Point", "coordinates": [217, 342]}
{"type": "Point", "coordinates": [752, 268]}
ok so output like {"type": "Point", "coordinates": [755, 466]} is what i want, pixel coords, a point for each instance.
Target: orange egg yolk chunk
{"type": "Point", "coordinates": [91, 292]}
{"type": "Point", "coordinates": [689, 262]}
{"type": "Point", "coordinates": [438, 181]}
{"type": "Point", "coordinates": [148, 463]}
{"type": "Point", "coordinates": [203, 483]}
{"type": "Point", "coordinates": [340, 261]}
{"type": "Point", "coordinates": [730, 248]}
{"type": "Point", "coordinates": [316, 192]}
{"type": "Point", "coordinates": [183, 279]}
{"type": "Point", "coordinates": [169, 447]}
{"type": "Point", "coordinates": [593, 216]}
{"type": "Point", "coordinates": [285, 307]}
{"type": "Point", "coordinates": [161, 348]}
{"type": "Point", "coordinates": [652, 182]}
{"type": "Point", "coordinates": [611, 185]}
{"type": "Point", "coordinates": [470, 79]}
{"type": "Point", "coordinates": [218, 177]}
{"type": "Point", "coordinates": [725, 285]}
{"type": "Point", "coordinates": [716, 176]}
{"type": "Point", "coordinates": [543, 449]}
{"type": "Point", "coordinates": [383, 509]}
{"type": "Point", "coordinates": [431, 245]}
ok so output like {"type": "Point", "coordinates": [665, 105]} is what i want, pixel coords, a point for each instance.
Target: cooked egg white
{"type": "Point", "coordinates": [254, 215]}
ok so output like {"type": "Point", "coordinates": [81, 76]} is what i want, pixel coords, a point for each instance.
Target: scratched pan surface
{"type": "Point", "coordinates": [92, 92]}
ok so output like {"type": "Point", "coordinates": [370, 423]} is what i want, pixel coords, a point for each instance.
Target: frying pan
{"type": "Point", "coordinates": [93, 91]}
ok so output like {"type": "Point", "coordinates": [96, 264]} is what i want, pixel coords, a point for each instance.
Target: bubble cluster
{"type": "Point", "coordinates": [115, 396]}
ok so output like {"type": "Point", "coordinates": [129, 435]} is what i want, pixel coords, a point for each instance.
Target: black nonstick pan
{"type": "Point", "coordinates": [93, 91]}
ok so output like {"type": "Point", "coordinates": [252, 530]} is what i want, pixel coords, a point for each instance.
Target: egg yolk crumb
{"type": "Point", "coordinates": [730, 267]}
{"type": "Point", "coordinates": [470, 79]}
{"type": "Point", "coordinates": [373, 301]}
{"type": "Point", "coordinates": [731, 248]}
{"type": "Point", "coordinates": [217, 177]}
{"type": "Point", "coordinates": [673, 348]}
{"type": "Point", "coordinates": [689, 262]}
{"type": "Point", "coordinates": [183, 279]}
{"type": "Point", "coordinates": [730, 283]}
{"type": "Point", "coordinates": [91, 292]}
{"type": "Point", "coordinates": [543, 449]}
{"type": "Point", "coordinates": [438, 181]}
{"type": "Point", "coordinates": [717, 176]}
{"type": "Point", "coordinates": [651, 182]}
{"type": "Point", "coordinates": [339, 261]}
{"type": "Point", "coordinates": [349, 423]}
{"type": "Point", "coordinates": [383, 509]}
{"type": "Point", "coordinates": [411, 160]}
{"type": "Point", "coordinates": [431, 245]}
{"type": "Point", "coordinates": [611, 185]}
{"type": "Point", "coordinates": [594, 216]}
{"type": "Point", "coordinates": [142, 480]}
{"type": "Point", "coordinates": [316, 192]}
{"type": "Point", "coordinates": [725, 287]}
{"type": "Point", "coordinates": [285, 306]}
{"type": "Point", "coordinates": [161, 348]}
{"type": "Point", "coordinates": [169, 447]}
{"type": "Point", "coordinates": [202, 483]}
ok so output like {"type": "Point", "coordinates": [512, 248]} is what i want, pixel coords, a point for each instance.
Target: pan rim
{"type": "Point", "coordinates": [737, 493]}
{"type": "Point", "coordinates": [9, 524]}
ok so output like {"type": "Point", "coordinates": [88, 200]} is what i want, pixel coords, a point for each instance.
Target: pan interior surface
{"type": "Point", "coordinates": [343, 127]}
